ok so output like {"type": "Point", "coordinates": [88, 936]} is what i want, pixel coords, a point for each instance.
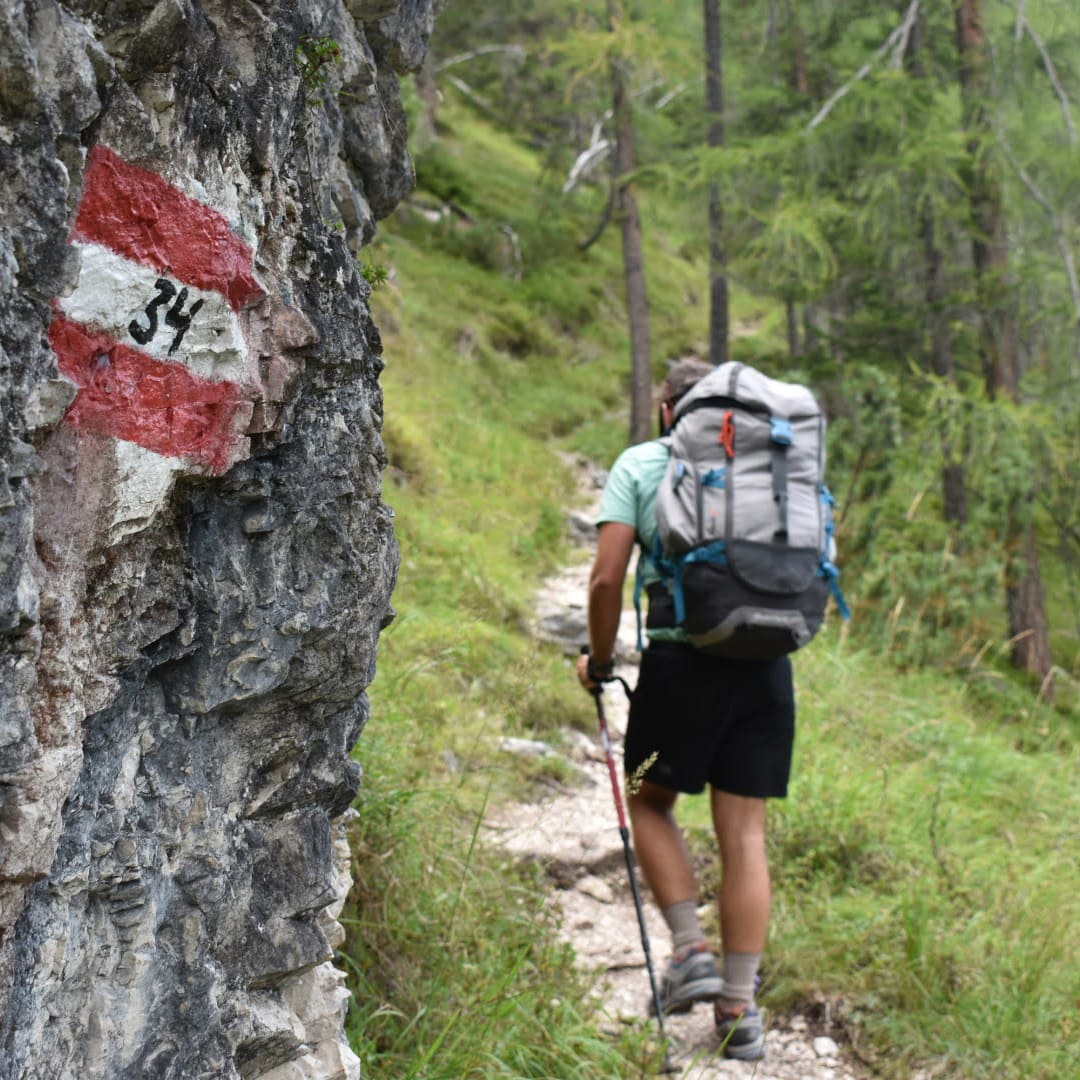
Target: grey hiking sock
{"type": "Point", "coordinates": [740, 974]}
{"type": "Point", "coordinates": [682, 921]}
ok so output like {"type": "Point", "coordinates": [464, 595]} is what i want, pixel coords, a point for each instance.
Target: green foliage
{"type": "Point", "coordinates": [375, 274]}
{"type": "Point", "coordinates": [315, 59]}
{"type": "Point", "coordinates": [791, 254]}
{"type": "Point", "coordinates": [439, 172]}
{"type": "Point", "coordinates": [460, 972]}
{"type": "Point", "coordinates": [918, 871]}
{"type": "Point", "coordinates": [919, 863]}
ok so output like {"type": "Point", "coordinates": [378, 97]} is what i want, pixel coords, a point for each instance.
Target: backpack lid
{"type": "Point", "coordinates": [752, 389]}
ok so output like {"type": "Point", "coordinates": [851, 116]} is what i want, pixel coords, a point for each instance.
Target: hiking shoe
{"type": "Point", "coordinates": [741, 1031]}
{"type": "Point", "coordinates": [691, 976]}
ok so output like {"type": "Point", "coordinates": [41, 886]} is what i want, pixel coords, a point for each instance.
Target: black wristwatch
{"type": "Point", "coordinates": [600, 672]}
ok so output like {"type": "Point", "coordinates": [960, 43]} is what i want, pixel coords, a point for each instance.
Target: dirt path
{"type": "Point", "coordinates": [573, 833]}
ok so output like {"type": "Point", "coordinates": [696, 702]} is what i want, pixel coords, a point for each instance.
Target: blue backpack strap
{"type": "Point", "coordinates": [831, 573]}
{"type": "Point", "coordinates": [829, 570]}
{"type": "Point", "coordinates": [782, 437]}
{"type": "Point", "coordinates": [656, 556]}
{"type": "Point", "coordinates": [639, 588]}
{"type": "Point", "coordinates": [716, 552]}
{"type": "Point", "coordinates": [677, 591]}
{"type": "Point", "coordinates": [828, 500]}
{"type": "Point", "coordinates": [670, 571]}
{"type": "Point", "coordinates": [659, 563]}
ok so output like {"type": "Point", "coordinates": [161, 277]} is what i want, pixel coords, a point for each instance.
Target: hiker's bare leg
{"type": "Point", "coordinates": [745, 891]}
{"type": "Point", "coordinates": [661, 850]}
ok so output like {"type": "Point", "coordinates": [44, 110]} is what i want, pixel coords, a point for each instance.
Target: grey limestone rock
{"type": "Point", "coordinates": [195, 559]}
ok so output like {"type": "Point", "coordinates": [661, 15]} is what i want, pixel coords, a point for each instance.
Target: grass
{"type": "Point", "coordinates": [925, 874]}
{"type": "Point", "coordinates": [454, 962]}
{"type": "Point", "coordinates": [459, 972]}
{"type": "Point", "coordinates": [925, 862]}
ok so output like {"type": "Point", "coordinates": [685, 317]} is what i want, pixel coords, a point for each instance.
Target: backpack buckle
{"type": "Point", "coordinates": [781, 431]}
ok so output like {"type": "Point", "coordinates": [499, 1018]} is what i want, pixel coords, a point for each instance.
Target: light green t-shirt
{"type": "Point", "coordinates": [630, 497]}
{"type": "Point", "coordinates": [630, 494]}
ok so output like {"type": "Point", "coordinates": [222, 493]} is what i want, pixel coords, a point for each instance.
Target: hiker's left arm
{"type": "Point", "coordinates": [613, 551]}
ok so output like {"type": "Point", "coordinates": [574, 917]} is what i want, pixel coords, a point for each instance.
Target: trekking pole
{"type": "Point", "coordinates": [631, 866]}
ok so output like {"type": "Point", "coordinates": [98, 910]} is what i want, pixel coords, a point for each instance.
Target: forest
{"type": "Point", "coordinates": [878, 200]}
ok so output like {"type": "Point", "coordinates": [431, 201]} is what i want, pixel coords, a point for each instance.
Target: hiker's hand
{"type": "Point", "coordinates": [583, 673]}
{"type": "Point", "coordinates": [585, 676]}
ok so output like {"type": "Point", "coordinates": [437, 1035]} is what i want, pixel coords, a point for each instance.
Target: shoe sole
{"type": "Point", "coordinates": [753, 1051]}
{"type": "Point", "coordinates": [750, 1048]}
{"type": "Point", "coordinates": [688, 995]}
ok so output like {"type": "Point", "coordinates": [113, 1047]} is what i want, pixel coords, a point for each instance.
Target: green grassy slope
{"type": "Point", "coordinates": [926, 861]}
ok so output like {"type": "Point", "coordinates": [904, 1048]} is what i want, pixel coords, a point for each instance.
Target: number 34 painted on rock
{"type": "Point", "coordinates": [144, 246]}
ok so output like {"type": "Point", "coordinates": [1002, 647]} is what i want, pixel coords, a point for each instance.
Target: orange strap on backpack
{"type": "Point", "coordinates": [727, 434]}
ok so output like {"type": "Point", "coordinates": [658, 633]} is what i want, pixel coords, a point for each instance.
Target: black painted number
{"type": "Point", "coordinates": [175, 317]}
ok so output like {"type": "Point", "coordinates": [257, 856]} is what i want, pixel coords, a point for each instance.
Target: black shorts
{"type": "Point", "coordinates": [729, 723]}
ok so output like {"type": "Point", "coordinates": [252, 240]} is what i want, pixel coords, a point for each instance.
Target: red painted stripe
{"type": "Point", "coordinates": [143, 217]}
{"type": "Point", "coordinates": [126, 394]}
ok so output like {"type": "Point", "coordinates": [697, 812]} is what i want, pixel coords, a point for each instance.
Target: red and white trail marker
{"type": "Point", "coordinates": [150, 333]}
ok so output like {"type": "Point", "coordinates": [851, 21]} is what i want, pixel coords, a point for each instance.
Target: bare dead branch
{"type": "Point", "coordinates": [1058, 223]}
{"type": "Point", "coordinates": [597, 150]}
{"type": "Point", "coordinates": [897, 40]}
{"type": "Point", "coordinates": [670, 96]}
{"type": "Point", "coordinates": [906, 27]}
{"type": "Point", "coordinates": [589, 157]}
{"type": "Point", "coordinates": [470, 93]}
{"type": "Point", "coordinates": [605, 219]}
{"type": "Point", "coordinates": [515, 250]}
{"type": "Point", "coordinates": [484, 50]}
{"type": "Point", "coordinates": [1020, 19]}
{"type": "Point", "coordinates": [1023, 25]}
{"type": "Point", "coordinates": [599, 147]}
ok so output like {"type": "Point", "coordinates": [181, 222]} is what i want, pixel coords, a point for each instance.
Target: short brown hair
{"type": "Point", "coordinates": [683, 375]}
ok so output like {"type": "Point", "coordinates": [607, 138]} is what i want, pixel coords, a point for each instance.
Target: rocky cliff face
{"type": "Point", "coordinates": [195, 561]}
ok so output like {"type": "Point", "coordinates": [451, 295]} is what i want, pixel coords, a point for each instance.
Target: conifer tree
{"type": "Point", "coordinates": [719, 330]}
{"type": "Point", "coordinates": [637, 295]}
{"type": "Point", "coordinates": [1025, 600]}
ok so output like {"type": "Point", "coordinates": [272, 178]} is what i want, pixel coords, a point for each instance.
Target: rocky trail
{"type": "Point", "coordinates": [572, 832]}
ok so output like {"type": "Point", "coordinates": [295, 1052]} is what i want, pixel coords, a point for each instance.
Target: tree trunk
{"type": "Point", "coordinates": [989, 246]}
{"type": "Point", "coordinates": [811, 334]}
{"type": "Point", "coordinates": [428, 92]}
{"type": "Point", "coordinates": [953, 473]}
{"type": "Point", "coordinates": [800, 80]}
{"type": "Point", "coordinates": [714, 96]}
{"type": "Point", "coordinates": [1024, 598]}
{"type": "Point", "coordinates": [637, 297]}
{"type": "Point", "coordinates": [794, 348]}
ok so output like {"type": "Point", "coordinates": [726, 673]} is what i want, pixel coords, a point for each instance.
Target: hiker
{"type": "Point", "coordinates": [708, 720]}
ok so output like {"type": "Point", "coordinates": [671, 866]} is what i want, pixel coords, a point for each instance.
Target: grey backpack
{"type": "Point", "coordinates": [746, 551]}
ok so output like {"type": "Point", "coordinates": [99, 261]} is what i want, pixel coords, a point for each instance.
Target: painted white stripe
{"type": "Point", "coordinates": [143, 482]}
{"type": "Point", "coordinates": [112, 292]}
